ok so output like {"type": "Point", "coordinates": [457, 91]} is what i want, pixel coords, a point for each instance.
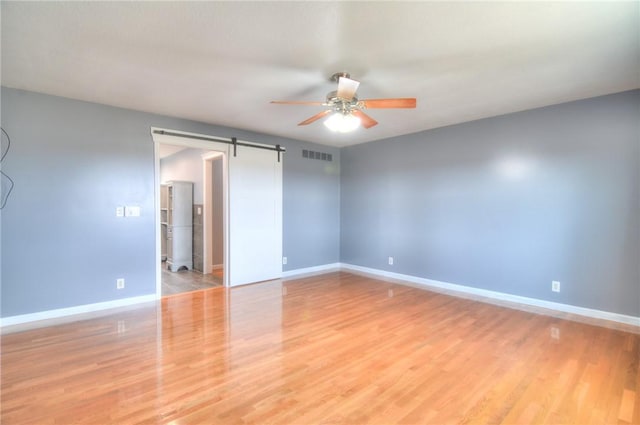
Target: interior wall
{"type": "Point", "coordinates": [507, 204]}
{"type": "Point", "coordinates": [73, 163]}
{"type": "Point", "coordinates": [185, 165]}
{"type": "Point", "coordinates": [311, 200]}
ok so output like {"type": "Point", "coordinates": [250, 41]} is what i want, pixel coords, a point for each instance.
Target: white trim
{"type": "Point", "coordinates": [70, 311]}
{"type": "Point", "coordinates": [309, 270]}
{"type": "Point", "coordinates": [211, 155]}
{"type": "Point", "coordinates": [422, 282]}
{"type": "Point", "coordinates": [500, 296]}
{"type": "Point", "coordinates": [217, 266]}
{"type": "Point", "coordinates": [207, 236]}
{"type": "Point", "coordinates": [156, 215]}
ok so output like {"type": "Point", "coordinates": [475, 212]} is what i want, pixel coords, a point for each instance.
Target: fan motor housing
{"type": "Point", "coordinates": [341, 105]}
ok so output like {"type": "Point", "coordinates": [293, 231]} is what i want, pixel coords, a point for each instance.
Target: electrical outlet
{"type": "Point", "coordinates": [120, 283]}
{"type": "Point", "coordinates": [391, 261]}
{"type": "Point", "coordinates": [119, 211]}
{"type": "Point", "coordinates": [555, 286]}
{"type": "Point", "coordinates": [284, 260]}
{"type": "Point", "coordinates": [555, 332]}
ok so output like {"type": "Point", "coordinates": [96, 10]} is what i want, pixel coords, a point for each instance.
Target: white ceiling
{"type": "Point", "coordinates": [222, 62]}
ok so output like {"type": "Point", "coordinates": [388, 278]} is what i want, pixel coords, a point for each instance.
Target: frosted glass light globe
{"type": "Point", "coordinates": [342, 123]}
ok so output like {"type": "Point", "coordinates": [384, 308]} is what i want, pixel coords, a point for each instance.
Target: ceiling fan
{"type": "Point", "coordinates": [345, 109]}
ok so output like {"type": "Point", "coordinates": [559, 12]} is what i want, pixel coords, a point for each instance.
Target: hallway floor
{"type": "Point", "coordinates": [188, 280]}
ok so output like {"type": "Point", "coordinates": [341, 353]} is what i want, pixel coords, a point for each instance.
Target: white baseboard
{"type": "Point", "coordinates": [71, 311]}
{"type": "Point", "coordinates": [312, 270]}
{"type": "Point", "coordinates": [499, 296]}
{"type": "Point", "coordinates": [422, 282]}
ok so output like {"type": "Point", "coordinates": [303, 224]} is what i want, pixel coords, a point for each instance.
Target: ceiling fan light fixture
{"type": "Point", "coordinates": [345, 110]}
{"type": "Point", "coordinates": [342, 123]}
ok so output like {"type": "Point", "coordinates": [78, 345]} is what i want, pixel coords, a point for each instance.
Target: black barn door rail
{"type": "Point", "coordinates": [233, 141]}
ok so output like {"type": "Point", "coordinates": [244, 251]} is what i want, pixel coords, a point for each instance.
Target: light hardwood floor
{"type": "Point", "coordinates": [331, 349]}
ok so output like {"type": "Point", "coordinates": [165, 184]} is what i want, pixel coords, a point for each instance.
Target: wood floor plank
{"type": "Point", "coordinates": [337, 348]}
{"type": "Point", "coordinates": [626, 406]}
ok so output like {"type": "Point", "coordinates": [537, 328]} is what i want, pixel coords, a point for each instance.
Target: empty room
{"type": "Point", "coordinates": [320, 212]}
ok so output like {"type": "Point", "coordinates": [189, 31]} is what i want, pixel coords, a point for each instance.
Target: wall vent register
{"type": "Point", "coordinates": [317, 155]}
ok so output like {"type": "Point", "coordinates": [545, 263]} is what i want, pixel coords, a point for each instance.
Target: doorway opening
{"type": "Point", "coordinates": [191, 218]}
{"type": "Point", "coordinates": [185, 195]}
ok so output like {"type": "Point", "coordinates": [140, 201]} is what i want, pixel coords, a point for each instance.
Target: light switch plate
{"type": "Point", "coordinates": [132, 211]}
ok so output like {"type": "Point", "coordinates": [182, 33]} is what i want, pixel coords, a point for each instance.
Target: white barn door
{"type": "Point", "coordinates": [255, 216]}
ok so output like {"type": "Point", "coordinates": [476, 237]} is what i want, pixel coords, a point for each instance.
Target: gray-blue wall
{"type": "Point", "coordinates": [311, 194]}
{"type": "Point", "coordinates": [507, 204]}
{"type": "Point", "coordinates": [74, 162]}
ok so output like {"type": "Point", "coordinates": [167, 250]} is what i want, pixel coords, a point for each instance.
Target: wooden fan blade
{"type": "Point", "coordinates": [406, 102]}
{"type": "Point", "coordinates": [347, 88]}
{"type": "Point", "coordinates": [295, 102]}
{"type": "Point", "coordinates": [366, 120]}
{"type": "Point", "coordinates": [316, 117]}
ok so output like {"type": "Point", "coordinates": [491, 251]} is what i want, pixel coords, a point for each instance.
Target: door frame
{"type": "Point", "coordinates": [186, 142]}
{"type": "Point", "coordinates": [207, 209]}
